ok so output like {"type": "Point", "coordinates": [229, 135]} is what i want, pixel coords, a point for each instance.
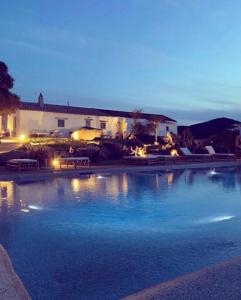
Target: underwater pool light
{"type": "Point", "coordinates": [35, 207]}
{"type": "Point", "coordinates": [215, 219]}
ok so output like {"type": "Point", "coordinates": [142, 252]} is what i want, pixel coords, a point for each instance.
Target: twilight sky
{"type": "Point", "coordinates": [181, 58]}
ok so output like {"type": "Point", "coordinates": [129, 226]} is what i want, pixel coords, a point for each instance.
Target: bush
{"type": "Point", "coordinates": [224, 141]}
{"type": "Point", "coordinates": [14, 154]}
{"type": "Point", "coordinates": [40, 152]}
{"type": "Point", "coordinates": [90, 151]}
{"type": "Point", "coordinates": [111, 151]}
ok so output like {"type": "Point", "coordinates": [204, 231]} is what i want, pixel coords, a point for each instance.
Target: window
{"type": "Point", "coordinates": [167, 128]}
{"type": "Point", "coordinates": [103, 125]}
{"type": "Point", "coordinates": [88, 122]}
{"type": "Point", "coordinates": [61, 123]}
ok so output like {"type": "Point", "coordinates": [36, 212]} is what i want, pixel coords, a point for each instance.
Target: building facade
{"type": "Point", "coordinates": [44, 118]}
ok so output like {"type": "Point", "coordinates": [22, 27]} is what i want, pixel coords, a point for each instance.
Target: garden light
{"type": "Point", "coordinates": [22, 137]}
{"type": "Point", "coordinates": [55, 162]}
{"type": "Point", "coordinates": [75, 136]}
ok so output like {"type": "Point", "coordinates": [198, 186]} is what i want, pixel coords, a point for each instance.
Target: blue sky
{"type": "Point", "coordinates": [181, 58]}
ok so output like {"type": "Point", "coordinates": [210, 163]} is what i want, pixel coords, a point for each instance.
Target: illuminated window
{"type": "Point", "coordinates": [103, 125]}
{"type": "Point", "coordinates": [61, 123]}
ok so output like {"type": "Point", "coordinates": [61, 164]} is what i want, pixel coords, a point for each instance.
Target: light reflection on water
{"type": "Point", "coordinates": [106, 236]}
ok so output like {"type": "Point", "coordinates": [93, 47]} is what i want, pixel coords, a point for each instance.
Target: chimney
{"type": "Point", "coordinates": [41, 100]}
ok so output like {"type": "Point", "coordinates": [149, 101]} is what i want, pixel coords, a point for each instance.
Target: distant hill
{"type": "Point", "coordinates": [205, 129]}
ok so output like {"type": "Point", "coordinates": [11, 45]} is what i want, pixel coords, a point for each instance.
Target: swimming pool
{"type": "Point", "coordinates": [107, 236]}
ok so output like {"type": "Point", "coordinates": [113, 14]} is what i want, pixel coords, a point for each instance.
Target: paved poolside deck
{"type": "Point", "coordinates": [114, 169]}
{"type": "Point", "coordinates": [221, 282]}
{"type": "Point", "coordinates": [11, 287]}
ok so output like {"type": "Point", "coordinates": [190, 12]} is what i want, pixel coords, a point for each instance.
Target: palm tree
{"type": "Point", "coordinates": [154, 125]}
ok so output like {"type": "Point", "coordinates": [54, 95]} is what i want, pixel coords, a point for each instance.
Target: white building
{"type": "Point", "coordinates": [40, 117]}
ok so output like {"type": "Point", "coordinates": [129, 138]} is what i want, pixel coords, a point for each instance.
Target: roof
{"type": "Point", "coordinates": [91, 111]}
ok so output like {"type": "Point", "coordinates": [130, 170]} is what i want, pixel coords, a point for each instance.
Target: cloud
{"type": "Point", "coordinates": [200, 94]}
{"type": "Point", "coordinates": [36, 48]}
{"type": "Point", "coordinates": [188, 116]}
{"type": "Point", "coordinates": [56, 42]}
{"type": "Point", "coordinates": [54, 35]}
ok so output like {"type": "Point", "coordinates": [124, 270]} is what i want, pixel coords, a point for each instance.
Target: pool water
{"type": "Point", "coordinates": [108, 236]}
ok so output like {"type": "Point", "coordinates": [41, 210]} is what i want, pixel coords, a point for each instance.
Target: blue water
{"type": "Point", "coordinates": [108, 236]}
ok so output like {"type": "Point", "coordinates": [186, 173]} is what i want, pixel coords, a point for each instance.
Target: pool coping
{"type": "Point", "coordinates": [115, 169]}
{"type": "Point", "coordinates": [11, 286]}
{"type": "Point", "coordinates": [219, 281]}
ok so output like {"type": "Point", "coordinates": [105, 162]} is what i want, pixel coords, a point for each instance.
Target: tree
{"type": "Point", "coordinates": [9, 102]}
{"type": "Point", "coordinates": [154, 124]}
{"type": "Point", "coordinates": [151, 128]}
{"type": "Point", "coordinates": [138, 128]}
{"type": "Point", "coordinates": [136, 115]}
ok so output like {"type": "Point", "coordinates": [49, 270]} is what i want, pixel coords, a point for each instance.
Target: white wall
{"type": "Point", "coordinates": [28, 121]}
{"type": "Point", "coordinates": [39, 120]}
{"type": "Point", "coordinates": [171, 126]}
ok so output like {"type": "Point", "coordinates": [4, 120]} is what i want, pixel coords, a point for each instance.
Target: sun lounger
{"type": "Point", "coordinates": [188, 154]}
{"type": "Point", "coordinates": [74, 161]}
{"type": "Point", "coordinates": [167, 158]}
{"type": "Point", "coordinates": [148, 159]}
{"type": "Point", "coordinates": [211, 151]}
{"type": "Point", "coordinates": [23, 164]}
{"type": "Point", "coordinates": [141, 160]}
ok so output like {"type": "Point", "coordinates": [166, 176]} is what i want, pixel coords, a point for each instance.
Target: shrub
{"type": "Point", "coordinates": [40, 152]}
{"type": "Point", "coordinates": [111, 151]}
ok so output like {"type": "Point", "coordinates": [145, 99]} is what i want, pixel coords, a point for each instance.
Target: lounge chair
{"type": "Point", "coordinates": [149, 159]}
{"type": "Point", "coordinates": [141, 160]}
{"type": "Point", "coordinates": [23, 164]}
{"type": "Point", "coordinates": [74, 161]}
{"type": "Point", "coordinates": [211, 151]}
{"type": "Point", "coordinates": [188, 154]}
{"type": "Point", "coordinates": [167, 158]}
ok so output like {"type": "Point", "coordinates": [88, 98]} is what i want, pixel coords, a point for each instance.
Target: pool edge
{"type": "Point", "coordinates": [11, 286]}
{"type": "Point", "coordinates": [117, 169]}
{"type": "Point", "coordinates": [219, 281]}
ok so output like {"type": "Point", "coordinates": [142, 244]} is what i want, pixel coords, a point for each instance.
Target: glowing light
{"type": "Point", "coordinates": [100, 177]}
{"type": "Point", "coordinates": [139, 151]}
{"type": "Point", "coordinates": [75, 136]}
{"type": "Point", "coordinates": [55, 163]}
{"type": "Point", "coordinates": [76, 185]}
{"type": "Point", "coordinates": [215, 219]}
{"type": "Point", "coordinates": [35, 207]}
{"type": "Point", "coordinates": [87, 134]}
{"type": "Point", "coordinates": [213, 173]}
{"type": "Point", "coordinates": [222, 218]}
{"type": "Point", "coordinates": [6, 191]}
{"type": "Point", "coordinates": [22, 137]}
{"type": "Point", "coordinates": [170, 178]}
{"type": "Point", "coordinates": [24, 210]}
{"type": "Point", "coordinates": [174, 153]}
